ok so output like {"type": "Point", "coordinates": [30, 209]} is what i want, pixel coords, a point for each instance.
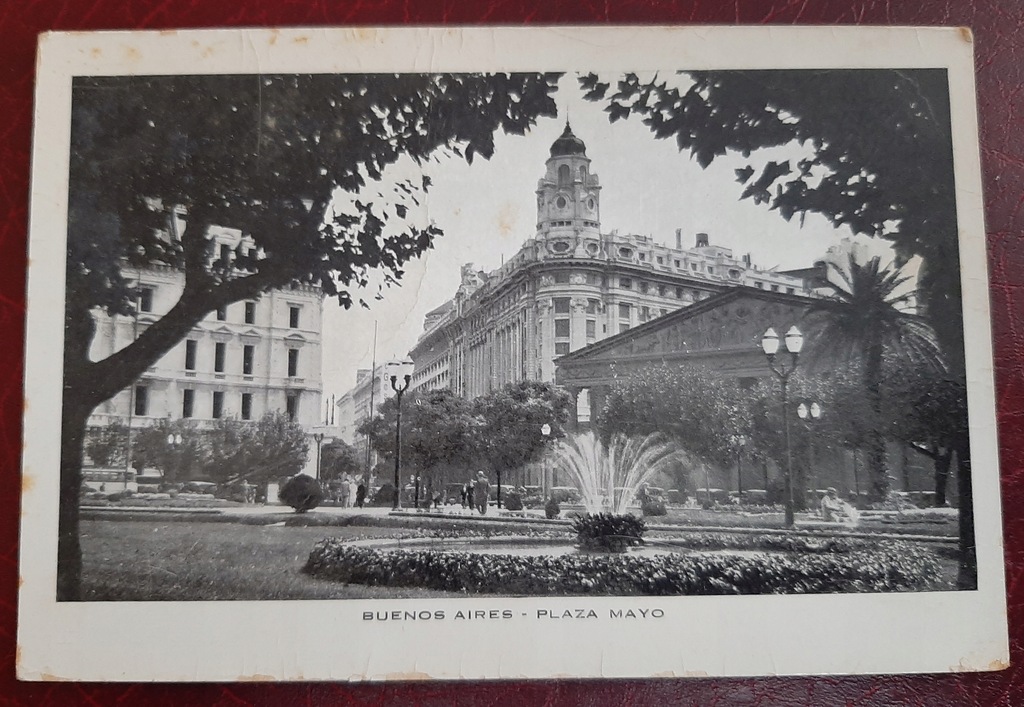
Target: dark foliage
{"type": "Point", "coordinates": [607, 532]}
{"type": "Point", "coordinates": [301, 492]}
{"type": "Point", "coordinates": [887, 567]}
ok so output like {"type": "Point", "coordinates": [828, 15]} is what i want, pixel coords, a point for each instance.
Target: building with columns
{"type": "Point", "coordinates": [569, 286]}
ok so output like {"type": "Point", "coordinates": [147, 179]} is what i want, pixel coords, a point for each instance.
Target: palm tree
{"type": "Point", "coordinates": [858, 324]}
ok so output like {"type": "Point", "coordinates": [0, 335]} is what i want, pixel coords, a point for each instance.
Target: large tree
{"type": "Point", "coordinates": [256, 451]}
{"type": "Point", "coordinates": [857, 324]}
{"type": "Point", "coordinates": [876, 157]}
{"type": "Point", "coordinates": [512, 417]}
{"type": "Point", "coordinates": [292, 162]}
{"type": "Point", "coordinates": [438, 429]}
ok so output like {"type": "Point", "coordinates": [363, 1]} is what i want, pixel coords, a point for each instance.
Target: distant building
{"type": "Point", "coordinates": [241, 361]}
{"type": "Point", "coordinates": [569, 286]}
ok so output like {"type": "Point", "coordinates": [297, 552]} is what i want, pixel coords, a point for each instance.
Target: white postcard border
{"type": "Point", "coordinates": [329, 640]}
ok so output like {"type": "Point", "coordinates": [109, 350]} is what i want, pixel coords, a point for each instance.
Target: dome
{"type": "Point", "coordinates": [568, 144]}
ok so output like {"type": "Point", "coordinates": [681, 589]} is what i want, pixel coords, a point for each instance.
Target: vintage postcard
{"type": "Point", "coordinates": [360, 354]}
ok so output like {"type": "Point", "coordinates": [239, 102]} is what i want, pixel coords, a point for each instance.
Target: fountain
{"type": "Point", "coordinates": [609, 477]}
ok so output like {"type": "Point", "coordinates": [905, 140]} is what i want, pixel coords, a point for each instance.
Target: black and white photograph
{"type": "Point", "coordinates": [505, 345]}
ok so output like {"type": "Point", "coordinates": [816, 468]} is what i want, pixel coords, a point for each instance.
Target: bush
{"type": "Point", "coordinates": [653, 507]}
{"type": "Point", "coordinates": [384, 497]}
{"type": "Point", "coordinates": [887, 567]}
{"type": "Point", "coordinates": [606, 532]}
{"type": "Point", "coordinates": [552, 509]}
{"type": "Point", "coordinates": [301, 492]}
{"type": "Point", "coordinates": [513, 501]}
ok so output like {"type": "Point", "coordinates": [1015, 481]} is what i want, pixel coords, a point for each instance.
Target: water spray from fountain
{"type": "Point", "coordinates": [609, 477]}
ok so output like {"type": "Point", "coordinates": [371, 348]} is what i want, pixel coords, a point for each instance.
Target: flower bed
{"type": "Point", "coordinates": [886, 567]}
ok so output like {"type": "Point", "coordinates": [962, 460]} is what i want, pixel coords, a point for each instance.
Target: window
{"type": "Point", "coordinates": [693, 266]}
{"type": "Point", "coordinates": [564, 177]}
{"type": "Point", "coordinates": [219, 352]}
{"type": "Point", "coordinates": [643, 287]}
{"type": "Point", "coordinates": [679, 293]}
{"type": "Point", "coordinates": [293, 363]}
{"type": "Point", "coordinates": [677, 263]}
{"type": "Point", "coordinates": [246, 406]}
{"type": "Point", "coordinates": [645, 313]}
{"type": "Point", "coordinates": [711, 270]}
{"type": "Point", "coordinates": [562, 328]}
{"type": "Point", "coordinates": [561, 348]}
{"type": "Point", "coordinates": [561, 305]}
{"type": "Point", "coordinates": [142, 400]}
{"type": "Point", "coordinates": [734, 273]}
{"type": "Point", "coordinates": [247, 354]}
{"type": "Point", "coordinates": [188, 399]}
{"type": "Point", "coordinates": [591, 330]}
{"type": "Point", "coordinates": [661, 290]}
{"type": "Point", "coordinates": [292, 405]}
{"type": "Point", "coordinates": [250, 312]}
{"type": "Point", "coordinates": [759, 285]}
{"type": "Point", "coordinates": [592, 306]}
{"type": "Point", "coordinates": [624, 310]}
{"type": "Point", "coordinates": [190, 354]}
{"type": "Point", "coordinates": [623, 326]}
{"type": "Point", "coordinates": [625, 283]}
{"type": "Point", "coordinates": [661, 260]}
{"type": "Point", "coordinates": [560, 247]}
{"type": "Point", "coordinates": [643, 256]}
{"type": "Point", "coordinates": [790, 290]}
{"type": "Point", "coordinates": [662, 312]}
{"type": "Point", "coordinates": [222, 313]}
{"type": "Point", "coordinates": [218, 405]}
{"type": "Point", "coordinates": [562, 277]}
{"type": "Point", "coordinates": [225, 254]}
{"type": "Point", "coordinates": [293, 317]}
{"type": "Point", "coordinates": [625, 253]}
{"type": "Point", "coordinates": [775, 288]}
{"type": "Point", "coordinates": [145, 299]}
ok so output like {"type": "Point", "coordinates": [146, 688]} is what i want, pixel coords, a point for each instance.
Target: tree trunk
{"type": "Point", "coordinates": [69, 551]}
{"type": "Point", "coordinates": [879, 488]}
{"type": "Point", "coordinates": [942, 462]}
{"type": "Point", "coordinates": [968, 575]}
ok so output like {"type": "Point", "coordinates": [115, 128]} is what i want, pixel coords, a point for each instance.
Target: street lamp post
{"type": "Point", "coordinates": [545, 431]}
{"type": "Point", "coordinates": [398, 371]}
{"type": "Point", "coordinates": [319, 437]}
{"type": "Point", "coordinates": [810, 414]}
{"type": "Point", "coordinates": [770, 345]}
{"type": "Point", "coordinates": [739, 442]}
{"type": "Point", "coordinates": [174, 442]}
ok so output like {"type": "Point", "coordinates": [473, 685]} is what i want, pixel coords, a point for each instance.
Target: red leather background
{"type": "Point", "coordinates": [999, 37]}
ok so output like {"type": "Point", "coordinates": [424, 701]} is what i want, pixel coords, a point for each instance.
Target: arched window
{"type": "Point", "coordinates": [583, 173]}
{"type": "Point", "coordinates": [563, 175]}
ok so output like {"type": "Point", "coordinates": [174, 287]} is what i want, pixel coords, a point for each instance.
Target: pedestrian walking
{"type": "Point", "coordinates": [481, 492]}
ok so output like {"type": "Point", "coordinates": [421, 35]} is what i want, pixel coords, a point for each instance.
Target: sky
{"type": "Point", "coordinates": [487, 210]}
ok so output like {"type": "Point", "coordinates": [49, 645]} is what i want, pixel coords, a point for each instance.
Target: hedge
{"type": "Point", "coordinates": [889, 567]}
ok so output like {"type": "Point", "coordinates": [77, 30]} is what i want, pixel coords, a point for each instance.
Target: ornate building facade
{"type": "Point", "coordinates": [569, 286]}
{"type": "Point", "coordinates": [241, 361]}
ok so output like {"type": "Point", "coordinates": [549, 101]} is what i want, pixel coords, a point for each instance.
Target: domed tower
{"type": "Point", "coordinates": [568, 199]}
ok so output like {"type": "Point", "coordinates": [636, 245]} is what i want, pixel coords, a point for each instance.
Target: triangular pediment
{"type": "Point", "coordinates": [732, 321]}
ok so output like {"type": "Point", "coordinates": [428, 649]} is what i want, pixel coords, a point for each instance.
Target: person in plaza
{"type": "Point", "coordinates": [360, 494]}
{"type": "Point", "coordinates": [345, 490]}
{"type": "Point", "coordinates": [467, 494]}
{"type": "Point", "coordinates": [353, 489]}
{"type": "Point", "coordinates": [481, 492]}
{"type": "Point", "coordinates": [832, 507]}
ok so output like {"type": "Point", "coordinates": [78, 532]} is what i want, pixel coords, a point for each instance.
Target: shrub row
{"type": "Point", "coordinates": [771, 542]}
{"type": "Point", "coordinates": [890, 567]}
{"type": "Point", "coordinates": [608, 532]}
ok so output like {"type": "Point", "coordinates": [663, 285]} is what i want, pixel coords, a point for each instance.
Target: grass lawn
{"type": "Point", "coordinates": [196, 561]}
